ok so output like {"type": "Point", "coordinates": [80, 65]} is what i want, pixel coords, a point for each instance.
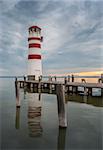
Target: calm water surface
{"type": "Point", "coordinates": [19, 131]}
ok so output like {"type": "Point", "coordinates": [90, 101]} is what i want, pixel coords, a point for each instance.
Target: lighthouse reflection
{"type": "Point", "coordinates": [34, 114]}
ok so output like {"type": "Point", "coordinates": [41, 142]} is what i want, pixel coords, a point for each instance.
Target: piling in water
{"type": "Point", "coordinates": [60, 91]}
{"type": "Point", "coordinates": [17, 93]}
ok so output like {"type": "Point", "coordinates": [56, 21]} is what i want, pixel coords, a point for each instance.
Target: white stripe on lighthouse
{"type": "Point", "coordinates": [35, 51]}
{"type": "Point", "coordinates": [34, 41]}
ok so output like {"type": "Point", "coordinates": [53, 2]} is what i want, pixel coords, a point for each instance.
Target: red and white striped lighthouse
{"type": "Point", "coordinates": [34, 56]}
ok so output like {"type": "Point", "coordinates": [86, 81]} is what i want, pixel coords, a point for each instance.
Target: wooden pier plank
{"type": "Point", "coordinates": [91, 85]}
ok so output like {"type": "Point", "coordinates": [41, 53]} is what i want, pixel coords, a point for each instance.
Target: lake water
{"type": "Point", "coordinates": [20, 131]}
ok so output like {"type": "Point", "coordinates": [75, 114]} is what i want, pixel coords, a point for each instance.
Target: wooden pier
{"type": "Point", "coordinates": [59, 88]}
{"type": "Point", "coordinates": [69, 86]}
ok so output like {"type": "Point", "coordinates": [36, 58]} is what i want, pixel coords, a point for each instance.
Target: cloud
{"type": "Point", "coordinates": [72, 32]}
{"type": "Point", "coordinates": [7, 5]}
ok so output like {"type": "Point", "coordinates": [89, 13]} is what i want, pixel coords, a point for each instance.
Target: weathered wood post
{"type": "Point", "coordinates": [61, 138]}
{"type": "Point", "coordinates": [39, 84]}
{"type": "Point", "coordinates": [17, 93]}
{"type": "Point", "coordinates": [89, 91]}
{"type": "Point", "coordinates": [24, 81]}
{"type": "Point", "coordinates": [85, 91]}
{"type": "Point", "coordinates": [65, 82]}
{"type": "Point", "coordinates": [20, 84]}
{"type": "Point", "coordinates": [55, 78]}
{"type": "Point", "coordinates": [102, 92]}
{"type": "Point", "coordinates": [68, 78]}
{"type": "Point", "coordinates": [62, 114]}
{"type": "Point", "coordinates": [83, 80]}
{"type": "Point", "coordinates": [50, 84]}
{"type": "Point", "coordinates": [72, 78]}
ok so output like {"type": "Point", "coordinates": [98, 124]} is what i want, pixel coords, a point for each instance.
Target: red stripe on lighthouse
{"type": "Point", "coordinates": [34, 45]}
{"type": "Point", "coordinates": [33, 56]}
{"type": "Point", "coordinates": [34, 38]}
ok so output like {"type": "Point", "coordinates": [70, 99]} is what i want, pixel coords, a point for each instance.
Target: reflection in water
{"type": "Point", "coordinates": [95, 101]}
{"type": "Point", "coordinates": [25, 92]}
{"type": "Point", "coordinates": [17, 94]}
{"type": "Point", "coordinates": [34, 118]}
{"type": "Point", "coordinates": [34, 114]}
{"type": "Point", "coordinates": [17, 119]}
{"type": "Point", "coordinates": [85, 98]}
{"type": "Point", "coordinates": [61, 138]}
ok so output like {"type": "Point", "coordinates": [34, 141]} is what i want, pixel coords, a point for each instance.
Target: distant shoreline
{"type": "Point", "coordinates": [53, 76]}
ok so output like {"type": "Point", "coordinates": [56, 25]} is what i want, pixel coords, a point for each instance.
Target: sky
{"type": "Point", "coordinates": [72, 35]}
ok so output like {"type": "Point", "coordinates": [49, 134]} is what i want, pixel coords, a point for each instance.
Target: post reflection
{"type": "Point", "coordinates": [17, 119]}
{"type": "Point", "coordinates": [61, 138]}
{"type": "Point", "coordinates": [34, 114]}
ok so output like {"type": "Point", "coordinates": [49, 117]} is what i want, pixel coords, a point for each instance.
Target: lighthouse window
{"type": "Point", "coordinates": [32, 30]}
{"type": "Point", "coordinates": [35, 29]}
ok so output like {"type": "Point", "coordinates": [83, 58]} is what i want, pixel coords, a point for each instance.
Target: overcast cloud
{"type": "Point", "coordinates": [72, 31]}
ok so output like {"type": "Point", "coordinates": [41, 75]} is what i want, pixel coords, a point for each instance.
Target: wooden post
{"type": "Point", "coordinates": [68, 78]}
{"type": "Point", "coordinates": [65, 80]}
{"type": "Point", "coordinates": [50, 84]}
{"type": "Point", "coordinates": [41, 77]}
{"type": "Point", "coordinates": [61, 105]}
{"type": "Point", "coordinates": [102, 92]}
{"type": "Point", "coordinates": [20, 84]}
{"type": "Point", "coordinates": [61, 138]}
{"type": "Point", "coordinates": [39, 84]}
{"type": "Point", "coordinates": [50, 78]}
{"type": "Point", "coordinates": [17, 93]}
{"type": "Point", "coordinates": [50, 88]}
{"type": "Point", "coordinates": [85, 91]}
{"type": "Point", "coordinates": [72, 78]}
{"type": "Point", "coordinates": [24, 81]}
{"type": "Point", "coordinates": [55, 78]}
{"type": "Point", "coordinates": [89, 91]}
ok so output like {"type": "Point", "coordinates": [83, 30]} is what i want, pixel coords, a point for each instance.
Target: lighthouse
{"type": "Point", "coordinates": [34, 54]}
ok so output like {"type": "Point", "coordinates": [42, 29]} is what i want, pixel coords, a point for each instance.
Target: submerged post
{"type": "Point", "coordinates": [60, 90]}
{"type": "Point", "coordinates": [17, 93]}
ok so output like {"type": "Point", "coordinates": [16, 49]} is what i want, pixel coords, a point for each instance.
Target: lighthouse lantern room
{"type": "Point", "coordinates": [34, 54]}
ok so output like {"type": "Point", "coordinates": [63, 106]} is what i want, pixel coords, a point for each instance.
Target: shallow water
{"type": "Point", "coordinates": [19, 131]}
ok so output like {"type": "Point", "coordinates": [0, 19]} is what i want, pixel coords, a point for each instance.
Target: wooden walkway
{"type": "Point", "coordinates": [73, 87]}
{"type": "Point", "coordinates": [60, 89]}
{"type": "Point", "coordinates": [78, 84]}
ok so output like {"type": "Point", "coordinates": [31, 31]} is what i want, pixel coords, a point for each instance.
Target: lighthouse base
{"type": "Point", "coordinates": [31, 77]}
